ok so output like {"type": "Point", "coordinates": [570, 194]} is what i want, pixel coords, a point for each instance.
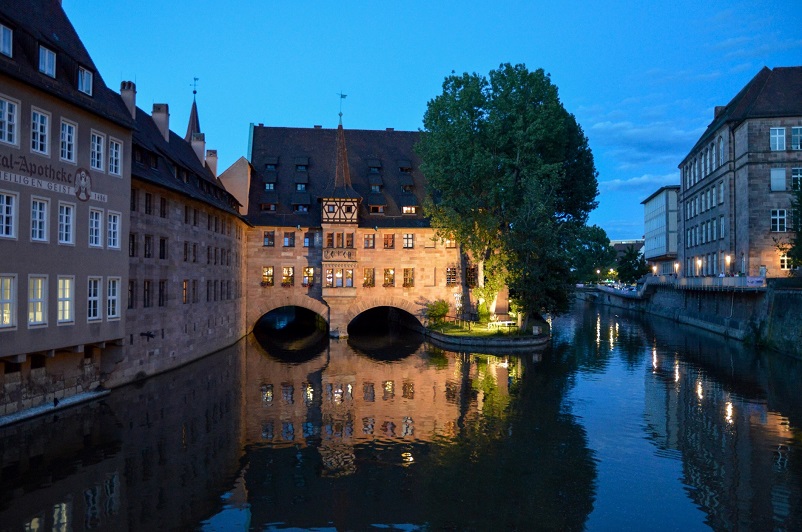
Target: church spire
{"type": "Point", "coordinates": [194, 122]}
{"type": "Point", "coordinates": [342, 176]}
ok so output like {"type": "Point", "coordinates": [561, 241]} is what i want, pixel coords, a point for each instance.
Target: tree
{"type": "Point", "coordinates": [512, 178]}
{"type": "Point", "coordinates": [792, 246]}
{"type": "Point", "coordinates": [593, 253]}
{"type": "Point", "coordinates": [631, 266]}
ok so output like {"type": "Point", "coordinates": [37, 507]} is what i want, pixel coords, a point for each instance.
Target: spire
{"type": "Point", "coordinates": [342, 176]}
{"type": "Point", "coordinates": [194, 122]}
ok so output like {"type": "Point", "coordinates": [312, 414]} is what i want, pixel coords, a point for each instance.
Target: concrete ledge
{"type": "Point", "coordinates": [48, 408]}
{"type": "Point", "coordinates": [488, 345]}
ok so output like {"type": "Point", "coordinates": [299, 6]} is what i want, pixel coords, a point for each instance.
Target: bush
{"type": "Point", "coordinates": [483, 313]}
{"type": "Point", "coordinates": [436, 311]}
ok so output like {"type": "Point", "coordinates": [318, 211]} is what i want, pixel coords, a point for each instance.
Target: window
{"type": "Point", "coordinates": [8, 121]}
{"type": "Point", "coordinates": [721, 227]}
{"type": "Point", "coordinates": [66, 220]}
{"type": "Point", "coordinates": [162, 248]}
{"type": "Point", "coordinates": [270, 186]}
{"type": "Point", "coordinates": [113, 298]}
{"type": "Point", "coordinates": [148, 203]}
{"type": "Point", "coordinates": [409, 277]}
{"type": "Point", "coordinates": [309, 277]}
{"type": "Point", "coordinates": [267, 276]}
{"type": "Point", "coordinates": [39, 219]}
{"type": "Point", "coordinates": [777, 138]}
{"type": "Point", "coordinates": [287, 276]}
{"type": "Point", "coordinates": [95, 231]}
{"type": "Point", "coordinates": [289, 240]}
{"type": "Point", "coordinates": [269, 239]}
{"type": "Point", "coordinates": [375, 189]}
{"type": "Point", "coordinates": [389, 241]}
{"type": "Point", "coordinates": [720, 192]}
{"type": "Point", "coordinates": [8, 301]}
{"type": "Point", "coordinates": [6, 41]}
{"type": "Point", "coordinates": [300, 187]}
{"type": "Point", "coordinates": [778, 220]}
{"type": "Point", "coordinates": [67, 151]}
{"type": "Point", "coordinates": [796, 138]}
{"type": "Point", "coordinates": [377, 209]}
{"type": "Point", "coordinates": [195, 297]}
{"type": "Point", "coordinates": [96, 144]}
{"type": "Point", "coordinates": [148, 246]}
{"type": "Point", "coordinates": [113, 230]}
{"type": "Point", "coordinates": [37, 300]}
{"type": "Point", "coordinates": [115, 157]}
{"type": "Point", "coordinates": [451, 276]}
{"type": "Point", "coordinates": [453, 243]}
{"type": "Point", "coordinates": [8, 215]}
{"type": "Point", "coordinates": [185, 291]}
{"type": "Point", "coordinates": [777, 179]}
{"type": "Point", "coordinates": [133, 247]}
{"type": "Point", "coordinates": [39, 131]}
{"type": "Point", "coordinates": [370, 241]}
{"type": "Point", "coordinates": [93, 298]}
{"type": "Point", "coordinates": [84, 81]}
{"type": "Point", "coordinates": [389, 277]}
{"type": "Point", "coordinates": [162, 293]}
{"type": "Point", "coordinates": [47, 62]}
{"type": "Point", "coordinates": [134, 200]}
{"type": "Point", "coordinates": [409, 209]}
{"type": "Point", "coordinates": [147, 300]}
{"type": "Point", "coordinates": [269, 207]}
{"type": "Point", "coordinates": [472, 276]}
{"type": "Point", "coordinates": [409, 240]}
{"type": "Point", "coordinates": [796, 178]}
{"type": "Point", "coordinates": [300, 208]}
{"type": "Point", "coordinates": [368, 277]}
{"type": "Point", "coordinates": [785, 262]}
{"type": "Point", "coordinates": [65, 298]}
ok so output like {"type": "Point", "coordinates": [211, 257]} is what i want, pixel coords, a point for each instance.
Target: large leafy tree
{"type": "Point", "coordinates": [593, 253]}
{"type": "Point", "coordinates": [512, 178]}
{"type": "Point", "coordinates": [631, 265]}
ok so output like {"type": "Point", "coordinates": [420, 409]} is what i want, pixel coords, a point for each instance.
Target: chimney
{"type": "Point", "coordinates": [199, 145]}
{"type": "Point", "coordinates": [390, 129]}
{"type": "Point", "coordinates": [318, 126]}
{"type": "Point", "coordinates": [718, 110]}
{"type": "Point", "coordinates": [128, 92]}
{"type": "Point", "coordinates": [211, 161]}
{"type": "Point", "coordinates": [161, 115]}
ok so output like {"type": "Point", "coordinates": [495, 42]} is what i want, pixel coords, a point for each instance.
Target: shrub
{"type": "Point", "coordinates": [436, 311]}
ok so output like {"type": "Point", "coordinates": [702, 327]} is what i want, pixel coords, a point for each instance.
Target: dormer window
{"type": "Point", "coordinates": [300, 187]}
{"type": "Point", "coordinates": [270, 186]}
{"type": "Point", "coordinates": [376, 189]}
{"type": "Point", "coordinates": [374, 170]}
{"type": "Point", "coordinates": [409, 209]}
{"type": "Point", "coordinates": [405, 166]}
{"type": "Point", "coordinates": [47, 62]}
{"type": "Point", "coordinates": [300, 208]}
{"type": "Point", "coordinates": [6, 41]}
{"type": "Point", "coordinates": [407, 188]}
{"type": "Point", "coordinates": [268, 207]}
{"type": "Point", "coordinates": [270, 167]}
{"type": "Point", "coordinates": [300, 168]}
{"type": "Point", "coordinates": [85, 81]}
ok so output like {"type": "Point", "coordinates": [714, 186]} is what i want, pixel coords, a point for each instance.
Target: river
{"type": "Point", "coordinates": [622, 423]}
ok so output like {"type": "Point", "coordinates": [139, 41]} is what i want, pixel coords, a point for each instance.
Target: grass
{"type": "Point", "coordinates": [476, 330]}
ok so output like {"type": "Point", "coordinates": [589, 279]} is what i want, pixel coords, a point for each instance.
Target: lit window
{"type": "Point", "coordinates": [113, 230]}
{"type": "Point", "coordinates": [778, 220]}
{"type": "Point", "coordinates": [47, 62]}
{"type": "Point", "coordinates": [39, 131]}
{"type": "Point", "coordinates": [777, 138]}
{"type": "Point", "coordinates": [267, 276]}
{"type": "Point", "coordinates": [39, 219]}
{"type": "Point", "coordinates": [389, 241]}
{"type": "Point", "coordinates": [84, 81]}
{"type": "Point", "coordinates": [66, 221]}
{"type": "Point", "coordinates": [287, 276]}
{"type": "Point", "coordinates": [95, 228]}
{"type": "Point", "coordinates": [785, 262]}
{"type": "Point", "coordinates": [309, 277]}
{"type": "Point", "coordinates": [67, 152]}
{"type": "Point", "coordinates": [368, 277]}
{"type": "Point", "coordinates": [8, 301]}
{"type": "Point", "coordinates": [113, 298]}
{"type": "Point", "coordinates": [115, 157]}
{"type": "Point", "coordinates": [409, 240]}
{"type": "Point", "coordinates": [8, 121]}
{"type": "Point", "coordinates": [453, 243]}
{"type": "Point", "coordinates": [97, 143]}
{"type": "Point", "coordinates": [389, 277]}
{"type": "Point", "coordinates": [377, 209]}
{"type": "Point", "coordinates": [269, 239]}
{"type": "Point", "coordinates": [409, 209]}
{"type": "Point", "coordinates": [6, 41]}
{"type": "Point", "coordinates": [65, 299]}
{"type": "Point", "coordinates": [37, 300]}
{"type": "Point", "coordinates": [451, 276]}
{"type": "Point", "coordinates": [370, 240]}
{"type": "Point", "coordinates": [409, 277]}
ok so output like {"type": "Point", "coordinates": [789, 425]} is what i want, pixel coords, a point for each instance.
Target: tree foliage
{"type": "Point", "coordinates": [791, 246]}
{"type": "Point", "coordinates": [593, 253]}
{"type": "Point", "coordinates": [435, 311]}
{"type": "Point", "coordinates": [512, 178]}
{"type": "Point", "coordinates": [631, 266]}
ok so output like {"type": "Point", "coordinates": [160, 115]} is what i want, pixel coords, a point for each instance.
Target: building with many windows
{"type": "Point", "coordinates": [65, 148]}
{"type": "Point", "coordinates": [660, 230]}
{"type": "Point", "coordinates": [735, 198]}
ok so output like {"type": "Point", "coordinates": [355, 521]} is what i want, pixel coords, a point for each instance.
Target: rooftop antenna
{"type": "Point", "coordinates": [194, 87]}
{"type": "Point", "coordinates": [342, 97]}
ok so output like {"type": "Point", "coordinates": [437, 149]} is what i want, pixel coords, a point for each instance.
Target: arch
{"type": "Point", "coordinates": [265, 305]}
{"type": "Point", "coordinates": [358, 307]}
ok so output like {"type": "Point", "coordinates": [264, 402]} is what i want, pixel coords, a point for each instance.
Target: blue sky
{"type": "Point", "coordinates": [642, 82]}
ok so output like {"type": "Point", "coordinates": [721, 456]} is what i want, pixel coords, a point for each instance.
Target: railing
{"type": "Point", "coordinates": [742, 282]}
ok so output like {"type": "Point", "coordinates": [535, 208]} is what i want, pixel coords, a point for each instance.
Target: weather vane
{"type": "Point", "coordinates": [195, 86]}
{"type": "Point", "coordinates": [342, 97]}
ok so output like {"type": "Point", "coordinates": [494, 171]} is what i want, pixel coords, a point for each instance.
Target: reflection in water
{"type": "Point", "coordinates": [622, 423]}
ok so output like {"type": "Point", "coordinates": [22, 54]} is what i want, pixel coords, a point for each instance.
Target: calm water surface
{"type": "Point", "coordinates": [622, 424]}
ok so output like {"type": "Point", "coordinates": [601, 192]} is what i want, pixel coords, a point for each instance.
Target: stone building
{"type": "Point", "coordinates": [736, 185]}
{"type": "Point", "coordinates": [184, 293]}
{"type": "Point", "coordinates": [65, 159]}
{"type": "Point", "coordinates": [338, 227]}
{"type": "Point", "coordinates": [660, 230]}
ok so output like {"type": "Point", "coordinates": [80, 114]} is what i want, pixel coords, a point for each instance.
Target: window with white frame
{"type": "Point", "coordinates": [95, 228]}
{"type": "Point", "coordinates": [113, 298]}
{"type": "Point", "coordinates": [97, 141]}
{"type": "Point", "coordinates": [47, 61]}
{"type": "Point", "coordinates": [785, 262]}
{"type": "Point", "coordinates": [40, 126]}
{"type": "Point", "coordinates": [796, 138]}
{"type": "Point", "coordinates": [39, 208]}
{"type": "Point", "coordinates": [779, 220]}
{"type": "Point", "coordinates": [8, 121]}
{"type": "Point", "coordinates": [6, 41]}
{"type": "Point", "coordinates": [8, 301]}
{"type": "Point", "coordinates": [777, 138]}
{"type": "Point", "coordinates": [66, 222]}
{"type": "Point", "coordinates": [796, 178]}
{"type": "Point", "coordinates": [85, 81]}
{"type": "Point", "coordinates": [409, 240]}
{"type": "Point", "coordinates": [37, 300]}
{"type": "Point", "coordinates": [115, 156]}
{"type": "Point", "coordinates": [65, 300]}
{"type": "Point", "coordinates": [93, 298]}
{"type": "Point", "coordinates": [67, 152]}
{"type": "Point", "coordinates": [113, 230]}
{"type": "Point", "coordinates": [8, 215]}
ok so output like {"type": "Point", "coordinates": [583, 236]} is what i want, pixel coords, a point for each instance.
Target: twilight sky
{"type": "Point", "coordinates": [642, 82]}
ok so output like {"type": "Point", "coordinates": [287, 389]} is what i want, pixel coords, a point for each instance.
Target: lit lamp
{"type": "Point", "coordinates": [654, 270]}
{"type": "Point", "coordinates": [698, 266]}
{"type": "Point", "coordinates": [727, 260]}
{"type": "Point", "coordinates": [676, 268]}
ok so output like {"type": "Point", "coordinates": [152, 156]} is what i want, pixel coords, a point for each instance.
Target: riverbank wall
{"type": "Point", "coordinates": [770, 316]}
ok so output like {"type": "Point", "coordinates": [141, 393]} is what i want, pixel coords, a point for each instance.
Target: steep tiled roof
{"type": "Point", "coordinates": [771, 93]}
{"type": "Point", "coordinates": [43, 22]}
{"type": "Point", "coordinates": [316, 149]}
{"type": "Point", "coordinates": [200, 183]}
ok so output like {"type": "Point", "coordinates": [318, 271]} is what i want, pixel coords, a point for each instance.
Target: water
{"type": "Point", "coordinates": [622, 424]}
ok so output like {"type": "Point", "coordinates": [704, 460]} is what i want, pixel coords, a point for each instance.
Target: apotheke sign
{"type": "Point", "coordinates": [48, 177]}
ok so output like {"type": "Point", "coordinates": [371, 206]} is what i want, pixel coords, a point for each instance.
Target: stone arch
{"type": "Point", "coordinates": [358, 307]}
{"type": "Point", "coordinates": [265, 305]}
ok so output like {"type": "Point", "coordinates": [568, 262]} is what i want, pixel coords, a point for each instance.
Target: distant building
{"type": "Point", "coordinates": [621, 246]}
{"type": "Point", "coordinates": [737, 179]}
{"type": "Point", "coordinates": [660, 227]}
{"type": "Point", "coordinates": [65, 181]}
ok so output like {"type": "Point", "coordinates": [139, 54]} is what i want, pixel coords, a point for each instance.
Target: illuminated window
{"type": "Point", "coordinates": [287, 276]}
{"type": "Point", "coordinates": [785, 262]}
{"type": "Point", "coordinates": [409, 209]}
{"type": "Point", "coordinates": [368, 277]}
{"type": "Point", "coordinates": [389, 241]}
{"type": "Point", "coordinates": [93, 298]}
{"type": "Point", "coordinates": [269, 239]}
{"type": "Point", "coordinates": [450, 243]}
{"type": "Point", "coordinates": [409, 240]}
{"type": "Point", "coordinates": [65, 300]}
{"type": "Point", "coordinates": [37, 300]}
{"type": "Point", "coordinates": [409, 277]}
{"type": "Point", "coordinates": [309, 277]}
{"type": "Point", "coordinates": [389, 277]}
{"type": "Point", "coordinates": [370, 240]}
{"type": "Point", "coordinates": [8, 301]}
{"type": "Point", "coordinates": [451, 276]}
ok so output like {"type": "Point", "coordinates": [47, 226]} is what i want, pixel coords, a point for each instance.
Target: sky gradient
{"type": "Point", "coordinates": [642, 83]}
